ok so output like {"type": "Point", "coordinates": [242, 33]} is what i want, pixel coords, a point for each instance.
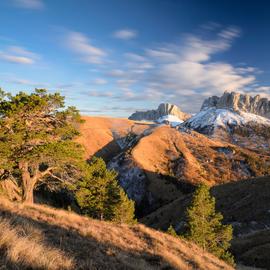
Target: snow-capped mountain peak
{"type": "Point", "coordinates": [223, 118]}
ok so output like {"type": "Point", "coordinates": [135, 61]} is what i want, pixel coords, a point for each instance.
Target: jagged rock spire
{"type": "Point", "coordinates": [162, 110]}
{"type": "Point", "coordinates": [239, 102]}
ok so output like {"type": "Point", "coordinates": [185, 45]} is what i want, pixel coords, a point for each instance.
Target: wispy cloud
{"type": "Point", "coordinates": [100, 81]}
{"type": "Point", "coordinates": [18, 55]}
{"type": "Point", "coordinates": [29, 4]}
{"type": "Point", "coordinates": [81, 45]}
{"type": "Point", "coordinates": [95, 93]}
{"type": "Point", "coordinates": [107, 110]}
{"type": "Point", "coordinates": [193, 68]}
{"type": "Point", "coordinates": [185, 72]}
{"type": "Point", "coordinates": [134, 57]}
{"type": "Point", "coordinates": [25, 82]}
{"type": "Point", "coordinates": [116, 73]}
{"type": "Point", "coordinates": [125, 34]}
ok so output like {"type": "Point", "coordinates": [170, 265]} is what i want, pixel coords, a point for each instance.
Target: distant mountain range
{"type": "Point", "coordinates": [164, 109]}
{"type": "Point", "coordinates": [233, 117]}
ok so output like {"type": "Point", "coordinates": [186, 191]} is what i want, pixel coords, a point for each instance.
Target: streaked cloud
{"type": "Point", "coordinates": [82, 46]}
{"type": "Point", "coordinates": [183, 72]}
{"type": "Point", "coordinates": [18, 55]}
{"type": "Point", "coordinates": [25, 82]}
{"type": "Point", "coordinates": [263, 89]}
{"type": "Point", "coordinates": [96, 93]}
{"type": "Point", "coordinates": [193, 67]}
{"type": "Point", "coordinates": [134, 57]}
{"type": "Point", "coordinates": [29, 4]}
{"type": "Point", "coordinates": [125, 34]}
{"type": "Point", "coordinates": [116, 73]}
{"type": "Point", "coordinates": [100, 81]}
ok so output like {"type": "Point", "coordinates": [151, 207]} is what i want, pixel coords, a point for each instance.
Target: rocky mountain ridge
{"type": "Point", "coordinates": [236, 118]}
{"type": "Point", "coordinates": [239, 102]}
{"type": "Point", "coordinates": [162, 110]}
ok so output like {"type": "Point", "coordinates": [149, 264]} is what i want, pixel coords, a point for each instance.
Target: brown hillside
{"type": "Point", "coordinates": [98, 134]}
{"type": "Point", "coordinates": [39, 237]}
{"type": "Point", "coordinates": [163, 165]}
{"type": "Point", "coordinates": [195, 158]}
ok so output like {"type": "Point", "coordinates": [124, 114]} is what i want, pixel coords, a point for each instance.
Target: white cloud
{"type": "Point", "coordinates": [184, 73]}
{"type": "Point", "coordinates": [263, 89]}
{"type": "Point", "coordinates": [16, 59]}
{"type": "Point", "coordinates": [189, 68]}
{"type": "Point", "coordinates": [125, 83]}
{"type": "Point", "coordinates": [29, 4]}
{"type": "Point", "coordinates": [81, 45]}
{"type": "Point", "coordinates": [95, 93]}
{"type": "Point", "coordinates": [116, 73]}
{"type": "Point", "coordinates": [161, 54]}
{"type": "Point", "coordinates": [125, 34]}
{"type": "Point", "coordinates": [26, 82]}
{"type": "Point", "coordinates": [18, 55]}
{"type": "Point", "coordinates": [99, 81]}
{"type": "Point", "coordinates": [134, 57]}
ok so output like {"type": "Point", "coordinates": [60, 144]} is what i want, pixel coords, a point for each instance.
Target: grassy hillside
{"type": "Point", "coordinates": [98, 134]}
{"type": "Point", "coordinates": [39, 237]}
{"type": "Point", "coordinates": [245, 204]}
{"type": "Point", "coordinates": [166, 164]}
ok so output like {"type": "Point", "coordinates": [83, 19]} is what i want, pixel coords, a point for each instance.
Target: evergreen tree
{"type": "Point", "coordinates": [205, 227]}
{"type": "Point", "coordinates": [36, 145]}
{"type": "Point", "coordinates": [100, 196]}
{"type": "Point", "coordinates": [172, 231]}
{"type": "Point", "coordinates": [124, 210]}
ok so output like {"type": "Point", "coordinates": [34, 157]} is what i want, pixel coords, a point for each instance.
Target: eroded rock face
{"type": "Point", "coordinates": [239, 102]}
{"type": "Point", "coordinates": [162, 110]}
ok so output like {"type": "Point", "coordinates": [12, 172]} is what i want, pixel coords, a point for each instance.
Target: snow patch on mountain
{"type": "Point", "coordinates": [172, 119]}
{"type": "Point", "coordinates": [223, 118]}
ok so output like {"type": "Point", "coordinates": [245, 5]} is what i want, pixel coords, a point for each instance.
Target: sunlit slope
{"type": "Point", "coordinates": [99, 134]}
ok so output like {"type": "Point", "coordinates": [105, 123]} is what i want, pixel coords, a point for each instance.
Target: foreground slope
{"type": "Point", "coordinates": [39, 237]}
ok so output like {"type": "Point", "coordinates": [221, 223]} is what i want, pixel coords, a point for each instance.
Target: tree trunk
{"type": "Point", "coordinates": [28, 194]}
{"type": "Point", "coordinates": [28, 183]}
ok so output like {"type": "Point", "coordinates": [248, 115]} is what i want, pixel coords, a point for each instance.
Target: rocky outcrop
{"type": "Point", "coordinates": [239, 102]}
{"type": "Point", "coordinates": [162, 110]}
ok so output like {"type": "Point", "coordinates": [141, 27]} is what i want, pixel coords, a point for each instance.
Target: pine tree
{"type": "Point", "coordinates": [124, 210]}
{"type": "Point", "coordinates": [36, 140]}
{"type": "Point", "coordinates": [100, 196]}
{"type": "Point", "coordinates": [205, 227]}
{"type": "Point", "coordinates": [172, 231]}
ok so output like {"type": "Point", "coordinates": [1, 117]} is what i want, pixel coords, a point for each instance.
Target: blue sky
{"type": "Point", "coordinates": [112, 57]}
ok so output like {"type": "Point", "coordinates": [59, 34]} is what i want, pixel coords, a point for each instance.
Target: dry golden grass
{"type": "Point", "coordinates": [193, 157]}
{"type": "Point", "coordinates": [99, 132]}
{"type": "Point", "coordinates": [173, 161]}
{"type": "Point", "coordinates": [39, 237]}
{"type": "Point", "coordinates": [22, 247]}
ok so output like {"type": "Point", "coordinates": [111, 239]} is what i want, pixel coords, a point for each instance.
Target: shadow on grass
{"type": "Point", "coordinates": [86, 251]}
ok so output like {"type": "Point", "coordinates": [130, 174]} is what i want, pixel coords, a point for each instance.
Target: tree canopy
{"type": "Point", "coordinates": [36, 132]}
{"type": "Point", "coordinates": [100, 196]}
{"type": "Point", "coordinates": [205, 227]}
